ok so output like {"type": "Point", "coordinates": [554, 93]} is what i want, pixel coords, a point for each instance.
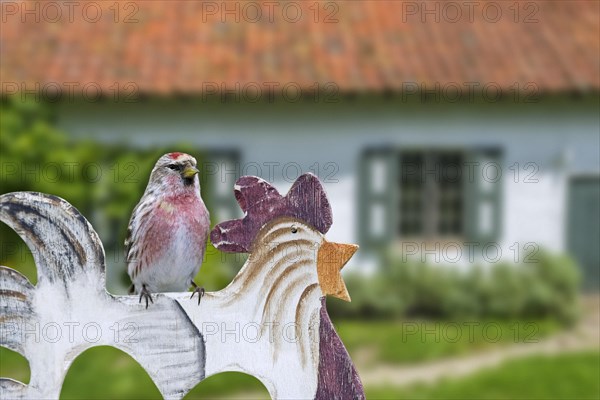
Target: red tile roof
{"type": "Point", "coordinates": [183, 46]}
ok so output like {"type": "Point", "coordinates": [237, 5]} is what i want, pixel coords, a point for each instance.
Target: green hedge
{"type": "Point", "coordinates": [548, 287]}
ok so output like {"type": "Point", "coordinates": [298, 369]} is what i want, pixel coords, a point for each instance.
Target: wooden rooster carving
{"type": "Point", "coordinates": [270, 322]}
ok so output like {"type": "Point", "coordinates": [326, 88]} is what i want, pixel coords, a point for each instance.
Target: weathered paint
{"type": "Point", "coordinates": [338, 378]}
{"type": "Point", "coordinates": [261, 202]}
{"type": "Point", "coordinates": [71, 290]}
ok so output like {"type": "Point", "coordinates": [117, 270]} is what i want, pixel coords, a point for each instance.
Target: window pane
{"type": "Point", "coordinates": [378, 176]}
{"type": "Point", "coordinates": [225, 179]}
{"type": "Point", "coordinates": [411, 193]}
{"type": "Point", "coordinates": [431, 193]}
{"type": "Point", "coordinates": [490, 174]}
{"type": "Point", "coordinates": [224, 214]}
{"type": "Point", "coordinates": [377, 221]}
{"type": "Point", "coordinates": [486, 218]}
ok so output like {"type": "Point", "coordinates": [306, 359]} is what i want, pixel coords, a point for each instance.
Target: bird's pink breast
{"type": "Point", "coordinates": [174, 219]}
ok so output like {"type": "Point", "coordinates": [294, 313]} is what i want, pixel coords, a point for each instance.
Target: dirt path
{"type": "Point", "coordinates": [586, 335]}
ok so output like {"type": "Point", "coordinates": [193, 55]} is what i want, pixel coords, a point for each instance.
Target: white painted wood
{"type": "Point", "coordinates": [69, 310]}
{"type": "Point", "coordinates": [265, 323]}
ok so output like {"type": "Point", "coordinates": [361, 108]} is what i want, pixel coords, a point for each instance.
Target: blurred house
{"type": "Point", "coordinates": [452, 133]}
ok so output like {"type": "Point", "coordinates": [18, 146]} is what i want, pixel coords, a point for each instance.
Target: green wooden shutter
{"type": "Point", "coordinates": [378, 198]}
{"type": "Point", "coordinates": [583, 233]}
{"type": "Point", "coordinates": [222, 169]}
{"type": "Point", "coordinates": [483, 195]}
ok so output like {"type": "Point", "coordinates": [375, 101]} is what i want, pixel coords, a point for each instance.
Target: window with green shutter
{"type": "Point", "coordinates": [429, 194]}
{"type": "Point", "coordinates": [378, 194]}
{"type": "Point", "coordinates": [483, 195]}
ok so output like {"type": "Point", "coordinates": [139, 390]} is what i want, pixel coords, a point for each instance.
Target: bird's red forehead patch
{"type": "Point", "coordinates": [175, 155]}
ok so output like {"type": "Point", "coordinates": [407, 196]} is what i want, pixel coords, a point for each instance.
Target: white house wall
{"type": "Point", "coordinates": [560, 137]}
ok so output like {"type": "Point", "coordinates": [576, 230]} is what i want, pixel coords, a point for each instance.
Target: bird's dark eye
{"type": "Point", "coordinates": [174, 167]}
{"type": "Point", "coordinates": [293, 229]}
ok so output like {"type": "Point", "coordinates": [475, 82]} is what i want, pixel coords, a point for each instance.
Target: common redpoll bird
{"type": "Point", "coordinates": [167, 232]}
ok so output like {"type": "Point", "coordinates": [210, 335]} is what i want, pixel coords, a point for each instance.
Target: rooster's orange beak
{"type": "Point", "coordinates": [330, 260]}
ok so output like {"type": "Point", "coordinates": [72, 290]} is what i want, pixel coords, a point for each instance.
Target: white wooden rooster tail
{"type": "Point", "coordinates": [270, 322]}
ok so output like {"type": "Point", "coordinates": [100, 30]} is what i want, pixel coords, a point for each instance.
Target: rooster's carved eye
{"type": "Point", "coordinates": [293, 229]}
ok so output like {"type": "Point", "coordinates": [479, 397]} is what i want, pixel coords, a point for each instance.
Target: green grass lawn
{"type": "Point", "coordinates": [418, 341]}
{"type": "Point", "coordinates": [567, 376]}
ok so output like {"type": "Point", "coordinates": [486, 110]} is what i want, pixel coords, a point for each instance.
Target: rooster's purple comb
{"type": "Point", "coordinates": [262, 203]}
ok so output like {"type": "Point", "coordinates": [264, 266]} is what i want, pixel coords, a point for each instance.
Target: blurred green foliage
{"type": "Point", "coordinates": [547, 286]}
{"type": "Point", "coordinates": [104, 182]}
{"type": "Point", "coordinates": [566, 376]}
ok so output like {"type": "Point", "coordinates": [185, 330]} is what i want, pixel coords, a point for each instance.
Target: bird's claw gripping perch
{"type": "Point", "coordinates": [146, 295]}
{"type": "Point", "coordinates": [199, 290]}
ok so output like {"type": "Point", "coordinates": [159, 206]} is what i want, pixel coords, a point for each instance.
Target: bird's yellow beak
{"type": "Point", "coordinates": [189, 171]}
{"type": "Point", "coordinates": [330, 260]}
